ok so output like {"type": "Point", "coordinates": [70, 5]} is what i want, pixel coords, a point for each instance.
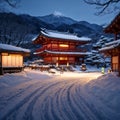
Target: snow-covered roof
{"type": "Point", "coordinates": [6, 47]}
{"type": "Point", "coordinates": [63, 35]}
{"type": "Point", "coordinates": [113, 42]}
{"type": "Point", "coordinates": [65, 53]}
{"type": "Point", "coordinates": [35, 37]}
{"type": "Point", "coordinates": [111, 45]}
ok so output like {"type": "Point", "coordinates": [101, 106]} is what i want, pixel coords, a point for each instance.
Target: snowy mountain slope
{"type": "Point", "coordinates": [18, 30]}
{"type": "Point", "coordinates": [57, 20]}
{"type": "Point", "coordinates": [31, 25]}
{"type": "Point", "coordinates": [66, 24]}
{"type": "Point", "coordinates": [92, 26]}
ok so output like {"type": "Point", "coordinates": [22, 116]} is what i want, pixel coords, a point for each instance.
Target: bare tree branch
{"type": "Point", "coordinates": [12, 3]}
{"type": "Point", "coordinates": [104, 5]}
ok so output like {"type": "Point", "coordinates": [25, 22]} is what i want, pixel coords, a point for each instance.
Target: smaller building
{"type": "Point", "coordinates": [113, 48]}
{"type": "Point", "coordinates": [11, 58]}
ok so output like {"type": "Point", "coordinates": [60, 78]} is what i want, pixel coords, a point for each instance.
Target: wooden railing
{"type": "Point", "coordinates": [60, 49]}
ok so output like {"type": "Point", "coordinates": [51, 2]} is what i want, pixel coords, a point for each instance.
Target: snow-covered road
{"type": "Point", "coordinates": [49, 97]}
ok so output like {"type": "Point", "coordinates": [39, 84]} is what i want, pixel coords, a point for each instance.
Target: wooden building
{"type": "Point", "coordinates": [113, 48]}
{"type": "Point", "coordinates": [11, 58]}
{"type": "Point", "coordinates": [60, 47]}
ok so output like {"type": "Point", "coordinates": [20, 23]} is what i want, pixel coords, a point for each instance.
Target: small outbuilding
{"type": "Point", "coordinates": [11, 58]}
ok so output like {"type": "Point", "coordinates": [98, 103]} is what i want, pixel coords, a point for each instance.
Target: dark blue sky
{"type": "Point", "coordinates": [75, 9]}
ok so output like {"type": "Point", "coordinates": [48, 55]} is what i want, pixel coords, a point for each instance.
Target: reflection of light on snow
{"type": "Point", "coordinates": [81, 76]}
{"type": "Point", "coordinates": [76, 75]}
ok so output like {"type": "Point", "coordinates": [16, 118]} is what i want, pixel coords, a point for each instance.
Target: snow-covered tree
{"type": "Point", "coordinates": [13, 32]}
{"type": "Point", "coordinates": [97, 58]}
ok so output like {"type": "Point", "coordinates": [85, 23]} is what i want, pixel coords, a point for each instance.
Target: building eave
{"type": "Point", "coordinates": [63, 53]}
{"type": "Point", "coordinates": [112, 28]}
{"type": "Point", "coordinates": [110, 46]}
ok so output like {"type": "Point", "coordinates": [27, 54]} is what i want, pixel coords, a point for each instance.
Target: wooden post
{"type": "Point", "coordinates": [1, 69]}
{"type": "Point", "coordinates": [82, 60]}
{"type": "Point", "coordinates": [115, 36]}
{"type": "Point", "coordinates": [119, 65]}
{"type": "Point", "coordinates": [111, 62]}
{"type": "Point", "coordinates": [58, 59]}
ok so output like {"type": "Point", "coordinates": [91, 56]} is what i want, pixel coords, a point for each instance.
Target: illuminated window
{"type": "Point", "coordinates": [115, 63]}
{"type": "Point", "coordinates": [13, 60]}
{"type": "Point", "coordinates": [64, 45]}
{"type": "Point", "coordinates": [63, 58]}
{"type": "Point", "coordinates": [115, 59]}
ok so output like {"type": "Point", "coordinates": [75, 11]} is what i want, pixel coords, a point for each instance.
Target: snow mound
{"type": "Point", "coordinates": [107, 89]}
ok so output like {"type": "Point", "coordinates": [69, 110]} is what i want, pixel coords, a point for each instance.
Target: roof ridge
{"type": "Point", "coordinates": [56, 31]}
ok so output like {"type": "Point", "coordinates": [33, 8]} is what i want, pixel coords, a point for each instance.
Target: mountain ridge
{"type": "Point", "coordinates": [25, 26]}
{"type": "Point", "coordinates": [57, 20]}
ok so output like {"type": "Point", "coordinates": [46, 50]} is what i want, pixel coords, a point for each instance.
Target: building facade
{"type": "Point", "coordinates": [113, 48]}
{"type": "Point", "coordinates": [60, 48]}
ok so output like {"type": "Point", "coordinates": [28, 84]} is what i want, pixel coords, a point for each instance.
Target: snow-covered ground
{"type": "Point", "coordinates": [35, 95]}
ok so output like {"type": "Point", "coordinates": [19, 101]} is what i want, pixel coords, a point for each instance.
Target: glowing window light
{"type": "Point", "coordinates": [63, 58]}
{"type": "Point", "coordinates": [64, 45]}
{"type": "Point", "coordinates": [115, 59]}
{"type": "Point", "coordinates": [13, 60]}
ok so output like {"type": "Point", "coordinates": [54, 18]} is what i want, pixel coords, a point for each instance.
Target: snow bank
{"type": "Point", "coordinates": [11, 80]}
{"type": "Point", "coordinates": [8, 80]}
{"type": "Point", "coordinates": [107, 89]}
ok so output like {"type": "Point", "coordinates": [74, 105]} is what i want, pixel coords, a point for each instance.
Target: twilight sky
{"type": "Point", "coordinates": [76, 9]}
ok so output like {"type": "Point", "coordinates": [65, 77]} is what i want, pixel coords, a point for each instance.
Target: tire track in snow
{"type": "Point", "coordinates": [64, 108]}
{"type": "Point", "coordinates": [16, 107]}
{"type": "Point", "coordinates": [54, 111]}
{"type": "Point", "coordinates": [93, 114]}
{"type": "Point", "coordinates": [54, 100]}
{"type": "Point", "coordinates": [82, 106]}
{"type": "Point", "coordinates": [74, 107]}
{"type": "Point", "coordinates": [13, 94]}
{"type": "Point", "coordinates": [71, 108]}
{"type": "Point", "coordinates": [57, 109]}
{"type": "Point", "coordinates": [28, 114]}
{"type": "Point", "coordinates": [47, 108]}
{"type": "Point", "coordinates": [20, 103]}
